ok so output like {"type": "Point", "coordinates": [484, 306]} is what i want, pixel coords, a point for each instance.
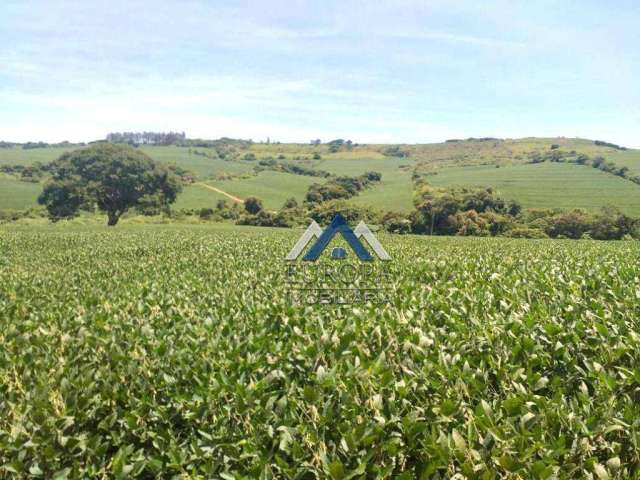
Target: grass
{"type": "Point", "coordinates": [17, 195]}
{"type": "Point", "coordinates": [548, 185]}
{"type": "Point", "coordinates": [19, 156]}
{"type": "Point", "coordinates": [460, 163]}
{"type": "Point", "coordinates": [203, 167]}
{"type": "Point", "coordinates": [628, 158]}
{"type": "Point", "coordinates": [394, 193]}
{"type": "Point", "coordinates": [196, 196]}
{"type": "Point", "coordinates": [170, 351]}
{"type": "Point", "coordinates": [273, 188]}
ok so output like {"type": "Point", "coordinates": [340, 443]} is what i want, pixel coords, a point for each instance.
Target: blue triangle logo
{"type": "Point", "coordinates": [338, 225]}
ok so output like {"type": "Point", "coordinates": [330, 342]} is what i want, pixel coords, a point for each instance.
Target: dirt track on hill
{"type": "Point", "coordinates": [222, 192]}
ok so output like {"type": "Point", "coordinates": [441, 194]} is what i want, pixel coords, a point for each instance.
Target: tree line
{"type": "Point", "coordinates": [147, 138]}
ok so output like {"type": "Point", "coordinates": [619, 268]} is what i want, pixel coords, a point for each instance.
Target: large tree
{"type": "Point", "coordinates": [113, 178]}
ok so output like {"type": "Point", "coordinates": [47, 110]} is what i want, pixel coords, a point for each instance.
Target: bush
{"type": "Point", "coordinates": [290, 203]}
{"type": "Point", "coordinates": [253, 205]}
{"type": "Point", "coordinates": [264, 219]}
{"type": "Point", "coordinates": [395, 151]}
{"type": "Point", "coordinates": [396, 223]}
{"type": "Point", "coordinates": [569, 225]}
{"type": "Point", "coordinates": [525, 232]}
{"type": "Point", "coordinates": [206, 213]}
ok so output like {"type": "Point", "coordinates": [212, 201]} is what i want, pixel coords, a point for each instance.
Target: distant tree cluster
{"type": "Point", "coordinates": [461, 212]}
{"type": "Point", "coordinates": [338, 144]}
{"type": "Point", "coordinates": [482, 213]}
{"type": "Point", "coordinates": [288, 167]}
{"type": "Point", "coordinates": [147, 138]}
{"type": "Point", "coordinates": [223, 141]}
{"type": "Point", "coordinates": [473, 139]}
{"type": "Point", "coordinates": [600, 143]}
{"type": "Point", "coordinates": [29, 173]}
{"type": "Point", "coordinates": [340, 187]}
{"type": "Point", "coordinates": [34, 145]}
{"type": "Point", "coordinates": [395, 151]}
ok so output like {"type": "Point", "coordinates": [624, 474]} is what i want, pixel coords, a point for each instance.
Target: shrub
{"type": "Point", "coordinates": [569, 224]}
{"type": "Point", "coordinates": [396, 223]}
{"type": "Point", "coordinates": [206, 213]}
{"type": "Point", "coordinates": [290, 203]}
{"type": "Point", "coordinates": [253, 205]}
{"type": "Point", "coordinates": [525, 232]}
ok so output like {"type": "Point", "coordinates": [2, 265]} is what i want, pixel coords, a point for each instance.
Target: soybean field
{"type": "Point", "coordinates": [171, 351]}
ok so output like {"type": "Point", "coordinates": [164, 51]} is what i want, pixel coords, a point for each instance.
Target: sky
{"type": "Point", "coordinates": [379, 72]}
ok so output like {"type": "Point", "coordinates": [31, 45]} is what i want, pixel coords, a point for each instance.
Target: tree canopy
{"type": "Point", "coordinates": [112, 178]}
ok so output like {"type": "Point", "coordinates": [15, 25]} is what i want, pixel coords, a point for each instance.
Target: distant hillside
{"type": "Point", "coordinates": [537, 172]}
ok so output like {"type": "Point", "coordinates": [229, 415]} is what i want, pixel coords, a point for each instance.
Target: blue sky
{"type": "Point", "coordinates": [401, 71]}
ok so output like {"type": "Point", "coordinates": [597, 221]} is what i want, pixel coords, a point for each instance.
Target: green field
{"type": "Point", "coordinates": [17, 195]}
{"type": "Point", "coordinates": [465, 163]}
{"type": "Point", "coordinates": [170, 351]}
{"type": "Point", "coordinates": [196, 196]}
{"type": "Point", "coordinates": [548, 185]}
{"type": "Point", "coordinates": [272, 187]}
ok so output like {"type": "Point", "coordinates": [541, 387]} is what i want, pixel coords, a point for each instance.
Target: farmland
{"type": "Point", "coordinates": [468, 163]}
{"type": "Point", "coordinates": [170, 350]}
{"type": "Point", "coordinates": [548, 185]}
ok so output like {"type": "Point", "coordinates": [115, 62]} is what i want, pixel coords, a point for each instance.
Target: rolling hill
{"type": "Point", "coordinates": [505, 165]}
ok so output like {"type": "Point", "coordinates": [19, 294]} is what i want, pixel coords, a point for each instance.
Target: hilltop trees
{"type": "Point", "coordinates": [148, 138]}
{"type": "Point", "coordinates": [113, 178]}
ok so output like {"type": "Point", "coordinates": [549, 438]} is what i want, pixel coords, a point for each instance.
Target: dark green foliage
{"type": "Point", "coordinates": [113, 178]}
{"type": "Point", "coordinates": [290, 203]}
{"type": "Point", "coordinates": [265, 219]}
{"type": "Point", "coordinates": [171, 352]}
{"type": "Point", "coordinates": [609, 224]}
{"type": "Point", "coordinates": [464, 212]}
{"type": "Point", "coordinates": [32, 145]}
{"type": "Point", "coordinates": [288, 167]}
{"type": "Point", "coordinates": [206, 213]}
{"type": "Point", "coordinates": [600, 143]}
{"type": "Point", "coordinates": [253, 205]}
{"type": "Point", "coordinates": [63, 198]}
{"type": "Point", "coordinates": [394, 222]}
{"type": "Point", "coordinates": [395, 151]}
{"type": "Point", "coordinates": [340, 187]}
{"type": "Point", "coordinates": [336, 145]}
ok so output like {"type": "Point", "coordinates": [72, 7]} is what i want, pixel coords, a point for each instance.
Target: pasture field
{"type": "Point", "coordinates": [196, 196]}
{"type": "Point", "coordinates": [146, 351]}
{"type": "Point", "coordinates": [17, 195]}
{"type": "Point", "coordinates": [463, 163]}
{"type": "Point", "coordinates": [273, 187]}
{"type": "Point", "coordinates": [548, 185]}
